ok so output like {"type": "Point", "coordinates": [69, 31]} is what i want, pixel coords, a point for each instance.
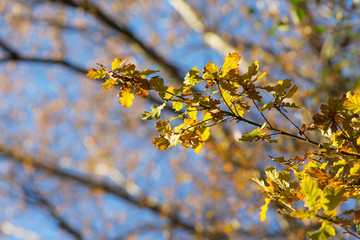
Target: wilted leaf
{"type": "Point", "coordinates": [161, 142]}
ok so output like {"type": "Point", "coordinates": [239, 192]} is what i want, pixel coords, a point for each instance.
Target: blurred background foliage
{"type": "Point", "coordinates": [76, 165]}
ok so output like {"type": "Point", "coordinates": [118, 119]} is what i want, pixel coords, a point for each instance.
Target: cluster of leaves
{"type": "Point", "coordinates": [322, 181]}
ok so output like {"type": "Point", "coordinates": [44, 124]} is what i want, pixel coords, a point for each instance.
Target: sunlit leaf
{"type": "Point", "coordinates": [311, 191]}
{"type": "Point", "coordinates": [353, 102]}
{"type": "Point", "coordinates": [192, 77]}
{"type": "Point", "coordinates": [231, 62]}
{"type": "Point", "coordinates": [177, 106]}
{"type": "Point", "coordinates": [264, 209]}
{"type": "Point", "coordinates": [325, 232]}
{"type": "Point", "coordinates": [332, 197]}
{"type": "Point", "coordinates": [96, 74]}
{"type": "Point", "coordinates": [126, 97]}
{"type": "Point", "coordinates": [117, 63]}
{"type": "Point", "coordinates": [154, 114]}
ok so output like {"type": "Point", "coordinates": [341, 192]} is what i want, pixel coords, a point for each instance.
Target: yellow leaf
{"type": "Point", "coordinates": [177, 105]}
{"type": "Point", "coordinates": [126, 97]}
{"type": "Point", "coordinates": [261, 76]}
{"type": "Point", "coordinates": [96, 74]}
{"type": "Point", "coordinates": [353, 102]}
{"type": "Point", "coordinates": [109, 83]}
{"type": "Point", "coordinates": [205, 134]}
{"type": "Point", "coordinates": [231, 62]}
{"type": "Point", "coordinates": [192, 112]}
{"type": "Point", "coordinates": [199, 147]}
{"type": "Point", "coordinates": [264, 209]}
{"type": "Point", "coordinates": [117, 63]}
{"type": "Point", "coordinates": [207, 117]}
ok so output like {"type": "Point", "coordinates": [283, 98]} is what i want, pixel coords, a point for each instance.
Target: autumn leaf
{"type": "Point", "coordinates": [192, 77]}
{"type": "Point", "coordinates": [96, 74]}
{"type": "Point", "coordinates": [117, 63]}
{"type": "Point", "coordinates": [177, 106]}
{"type": "Point", "coordinates": [353, 103]}
{"type": "Point", "coordinates": [154, 114]}
{"type": "Point", "coordinates": [231, 62]}
{"type": "Point", "coordinates": [303, 214]}
{"type": "Point", "coordinates": [332, 197]}
{"type": "Point", "coordinates": [109, 83]}
{"type": "Point", "coordinates": [311, 191]}
{"type": "Point", "coordinates": [161, 142]}
{"type": "Point", "coordinates": [126, 97]}
{"type": "Point", "coordinates": [157, 84]}
{"type": "Point", "coordinates": [147, 72]}
{"type": "Point", "coordinates": [264, 209]}
{"type": "Point", "coordinates": [141, 92]}
{"type": "Point", "coordinates": [325, 232]}
{"type": "Point", "coordinates": [192, 112]}
{"type": "Point", "coordinates": [210, 71]}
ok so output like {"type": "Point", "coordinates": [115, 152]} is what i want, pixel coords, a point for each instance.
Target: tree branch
{"type": "Point", "coordinates": [140, 200]}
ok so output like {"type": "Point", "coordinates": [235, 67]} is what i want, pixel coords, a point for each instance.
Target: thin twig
{"type": "Point", "coordinates": [261, 113]}
{"type": "Point", "coordinates": [300, 131]}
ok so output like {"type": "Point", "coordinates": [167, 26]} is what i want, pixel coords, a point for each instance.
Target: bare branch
{"type": "Point", "coordinates": [140, 200]}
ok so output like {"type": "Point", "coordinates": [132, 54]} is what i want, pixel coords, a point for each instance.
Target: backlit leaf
{"type": "Point", "coordinates": [231, 62]}
{"type": "Point", "coordinates": [126, 97]}
{"type": "Point", "coordinates": [353, 103]}
{"type": "Point", "coordinates": [154, 114]}
{"type": "Point", "coordinates": [332, 197]}
{"type": "Point", "coordinates": [325, 232]}
{"type": "Point", "coordinates": [311, 191]}
{"type": "Point", "coordinates": [264, 209]}
{"type": "Point", "coordinates": [192, 77]}
{"type": "Point", "coordinates": [96, 74]}
{"type": "Point", "coordinates": [117, 63]}
{"type": "Point", "coordinates": [177, 105]}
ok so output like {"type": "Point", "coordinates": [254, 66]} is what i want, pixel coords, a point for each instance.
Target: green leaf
{"type": "Point", "coordinates": [325, 232]}
{"type": "Point", "coordinates": [311, 191]}
{"type": "Point", "coordinates": [267, 106]}
{"type": "Point", "coordinates": [319, 29]}
{"type": "Point", "coordinates": [154, 114]}
{"type": "Point", "coordinates": [332, 197]}
{"type": "Point", "coordinates": [303, 214]}
{"type": "Point", "coordinates": [254, 135]}
{"type": "Point", "coordinates": [251, 136]}
{"type": "Point", "coordinates": [147, 72]}
{"type": "Point", "coordinates": [157, 84]}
